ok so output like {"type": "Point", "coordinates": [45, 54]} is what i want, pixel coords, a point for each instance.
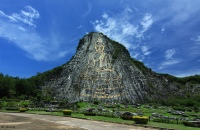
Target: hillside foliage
{"type": "Point", "coordinates": [25, 88]}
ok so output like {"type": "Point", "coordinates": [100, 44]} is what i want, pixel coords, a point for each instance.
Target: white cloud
{"type": "Point", "coordinates": [128, 9]}
{"type": "Point", "coordinates": [169, 59]}
{"type": "Point", "coordinates": [21, 28]}
{"type": "Point", "coordinates": [196, 40]}
{"type": "Point", "coordinates": [14, 28]}
{"type": "Point", "coordinates": [105, 16]}
{"type": "Point", "coordinates": [79, 27]}
{"type": "Point", "coordinates": [126, 30]}
{"type": "Point", "coordinates": [168, 63]}
{"type": "Point", "coordinates": [26, 17]}
{"type": "Point", "coordinates": [162, 30]}
{"type": "Point", "coordinates": [145, 50]}
{"type": "Point", "coordinates": [169, 54]}
{"type": "Point", "coordinates": [146, 22]}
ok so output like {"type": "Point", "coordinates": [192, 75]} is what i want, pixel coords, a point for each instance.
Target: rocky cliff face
{"type": "Point", "coordinates": [103, 70]}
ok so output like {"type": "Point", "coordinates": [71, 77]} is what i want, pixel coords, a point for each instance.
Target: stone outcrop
{"type": "Point", "coordinates": [103, 70]}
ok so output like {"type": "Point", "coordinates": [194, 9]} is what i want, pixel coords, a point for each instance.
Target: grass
{"type": "Point", "coordinates": [101, 118]}
{"type": "Point", "coordinates": [174, 126]}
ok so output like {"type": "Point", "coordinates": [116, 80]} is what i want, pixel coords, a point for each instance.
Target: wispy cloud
{"type": "Point", "coordinates": [162, 29]}
{"type": "Point", "coordinates": [26, 16]}
{"type": "Point", "coordinates": [196, 40]}
{"type": "Point", "coordinates": [20, 29]}
{"type": "Point", "coordinates": [88, 10]}
{"type": "Point", "coordinates": [169, 59]}
{"type": "Point", "coordinates": [169, 54]}
{"type": "Point", "coordinates": [145, 50]}
{"type": "Point", "coordinates": [146, 22]}
{"type": "Point", "coordinates": [124, 29]}
{"type": "Point", "coordinates": [182, 10]}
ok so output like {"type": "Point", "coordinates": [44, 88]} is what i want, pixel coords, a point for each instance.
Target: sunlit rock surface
{"type": "Point", "coordinates": [103, 70]}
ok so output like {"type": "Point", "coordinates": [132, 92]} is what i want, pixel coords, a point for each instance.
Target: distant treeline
{"type": "Point", "coordinates": [25, 88]}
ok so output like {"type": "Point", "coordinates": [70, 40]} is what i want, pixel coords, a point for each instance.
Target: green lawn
{"type": "Point", "coordinates": [175, 126]}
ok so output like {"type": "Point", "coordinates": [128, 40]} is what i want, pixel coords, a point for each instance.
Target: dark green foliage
{"type": "Point", "coordinates": [118, 50]}
{"type": "Point", "coordinates": [127, 116]}
{"type": "Point", "coordinates": [96, 102]}
{"type": "Point", "coordinates": [162, 120]}
{"type": "Point", "coordinates": [178, 102]}
{"type": "Point", "coordinates": [63, 103]}
{"type": "Point", "coordinates": [21, 88]}
{"type": "Point", "coordinates": [1, 105]}
{"type": "Point", "coordinates": [12, 108]}
{"type": "Point", "coordinates": [78, 105]}
{"type": "Point", "coordinates": [89, 113]}
{"type": "Point", "coordinates": [187, 123]}
{"type": "Point", "coordinates": [180, 108]}
{"type": "Point", "coordinates": [191, 79]}
{"type": "Point", "coordinates": [107, 114]}
{"type": "Point", "coordinates": [140, 65]}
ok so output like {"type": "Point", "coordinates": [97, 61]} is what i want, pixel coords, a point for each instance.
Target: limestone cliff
{"type": "Point", "coordinates": [103, 70]}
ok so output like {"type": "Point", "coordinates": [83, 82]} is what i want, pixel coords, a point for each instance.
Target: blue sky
{"type": "Point", "coordinates": [38, 35]}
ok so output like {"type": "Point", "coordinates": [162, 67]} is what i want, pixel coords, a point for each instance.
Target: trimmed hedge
{"type": "Point", "coordinates": [187, 123]}
{"type": "Point", "coordinates": [12, 108]}
{"type": "Point", "coordinates": [89, 114]}
{"type": "Point", "coordinates": [140, 119]}
{"type": "Point", "coordinates": [127, 116]}
{"type": "Point", "coordinates": [22, 109]}
{"type": "Point", "coordinates": [67, 112]}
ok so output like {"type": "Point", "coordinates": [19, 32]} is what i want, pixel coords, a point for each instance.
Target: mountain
{"type": "Point", "coordinates": [103, 70]}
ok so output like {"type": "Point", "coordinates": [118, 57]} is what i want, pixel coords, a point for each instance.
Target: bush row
{"type": "Point", "coordinates": [67, 112]}
{"type": "Point", "coordinates": [140, 119]}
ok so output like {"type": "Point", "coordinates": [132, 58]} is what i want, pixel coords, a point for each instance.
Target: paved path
{"type": "Point", "coordinates": [23, 121]}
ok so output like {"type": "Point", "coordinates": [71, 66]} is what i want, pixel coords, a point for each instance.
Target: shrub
{"type": "Point", "coordinates": [162, 120]}
{"type": "Point", "coordinates": [12, 108]}
{"type": "Point", "coordinates": [22, 109]}
{"type": "Point", "coordinates": [89, 114]}
{"type": "Point", "coordinates": [127, 116]}
{"type": "Point", "coordinates": [140, 119]}
{"type": "Point", "coordinates": [185, 115]}
{"type": "Point", "coordinates": [67, 112]}
{"type": "Point", "coordinates": [96, 102]}
{"type": "Point", "coordinates": [187, 123]}
{"type": "Point", "coordinates": [159, 120]}
{"type": "Point", "coordinates": [1, 105]}
{"type": "Point", "coordinates": [179, 108]}
{"type": "Point", "coordinates": [107, 114]}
